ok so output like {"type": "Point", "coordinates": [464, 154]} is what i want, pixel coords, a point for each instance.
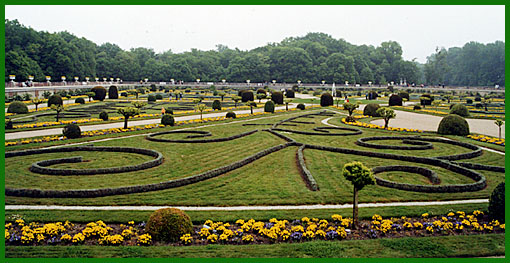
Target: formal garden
{"type": "Point", "coordinates": [283, 149]}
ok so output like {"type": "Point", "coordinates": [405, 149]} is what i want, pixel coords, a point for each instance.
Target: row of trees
{"type": "Point", "coordinates": [311, 58]}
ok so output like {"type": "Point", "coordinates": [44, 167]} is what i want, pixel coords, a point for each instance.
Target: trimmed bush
{"type": "Point", "coordinates": [8, 124]}
{"type": "Point", "coordinates": [372, 95]}
{"type": "Point", "coordinates": [416, 107]}
{"type": "Point", "coordinates": [123, 94]}
{"type": "Point", "coordinates": [247, 95]}
{"type": "Point", "coordinates": [371, 110]}
{"type": "Point", "coordinates": [497, 203]}
{"type": "Point", "coordinates": [395, 100]}
{"type": "Point", "coordinates": [478, 98]}
{"type": "Point", "coordinates": [460, 110]}
{"type": "Point", "coordinates": [113, 93]}
{"type": "Point", "coordinates": [55, 100]}
{"type": "Point", "coordinates": [478, 105]}
{"type": "Point", "coordinates": [231, 114]}
{"type": "Point", "coordinates": [216, 105]}
{"type": "Point", "coordinates": [79, 100]}
{"type": "Point", "coordinates": [169, 111]}
{"type": "Point", "coordinates": [153, 87]}
{"type": "Point", "coordinates": [277, 98]}
{"type": "Point", "coordinates": [159, 97]}
{"type": "Point", "coordinates": [404, 95]}
{"type": "Point", "coordinates": [454, 125]}
{"type": "Point", "coordinates": [425, 101]}
{"type": "Point", "coordinates": [269, 106]}
{"type": "Point", "coordinates": [168, 224]}
{"type": "Point", "coordinates": [316, 93]}
{"type": "Point", "coordinates": [261, 91]}
{"type": "Point", "coordinates": [326, 100]}
{"type": "Point", "coordinates": [99, 93]}
{"type": "Point", "coordinates": [103, 116]}
{"type": "Point", "coordinates": [168, 120]}
{"type": "Point", "coordinates": [151, 98]}
{"type": "Point", "coordinates": [17, 107]}
{"type": "Point", "coordinates": [301, 106]}
{"type": "Point", "coordinates": [72, 131]}
{"type": "Point", "coordinates": [290, 93]}
{"type": "Point", "coordinates": [469, 101]}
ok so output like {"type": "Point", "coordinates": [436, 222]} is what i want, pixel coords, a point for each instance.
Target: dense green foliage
{"type": "Point", "coordinates": [72, 131]}
{"type": "Point", "coordinates": [326, 99]}
{"type": "Point", "coordinates": [277, 97]}
{"type": "Point", "coordinates": [301, 106]}
{"type": "Point", "coordinates": [290, 93]}
{"type": "Point", "coordinates": [55, 100]}
{"type": "Point", "coordinates": [17, 107]}
{"type": "Point", "coordinates": [371, 110]}
{"type": "Point", "coordinates": [246, 95]}
{"type": "Point", "coordinates": [453, 125]}
{"type": "Point", "coordinates": [79, 100]}
{"type": "Point", "coordinates": [216, 105]}
{"type": "Point", "coordinates": [404, 95]}
{"type": "Point", "coordinates": [103, 115]}
{"type": "Point", "coordinates": [151, 98]}
{"type": "Point", "coordinates": [460, 110]}
{"type": "Point", "coordinates": [497, 203]}
{"type": "Point", "coordinates": [168, 120]}
{"type": "Point", "coordinates": [231, 114]}
{"type": "Point", "coordinates": [395, 100]}
{"type": "Point", "coordinates": [269, 106]}
{"type": "Point", "coordinates": [99, 93]}
{"type": "Point", "coordinates": [168, 224]}
{"type": "Point", "coordinates": [113, 92]}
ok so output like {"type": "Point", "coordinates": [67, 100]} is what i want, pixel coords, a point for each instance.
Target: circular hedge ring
{"type": "Point", "coordinates": [324, 131]}
{"type": "Point", "coordinates": [429, 174]}
{"type": "Point", "coordinates": [417, 145]}
{"type": "Point", "coordinates": [199, 134]}
{"type": "Point", "coordinates": [41, 167]}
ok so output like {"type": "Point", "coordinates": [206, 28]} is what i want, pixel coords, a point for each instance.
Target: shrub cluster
{"type": "Point", "coordinates": [404, 95]}
{"type": "Point", "coordinates": [460, 110]}
{"type": "Point", "coordinates": [395, 100]}
{"type": "Point", "coordinates": [99, 93]}
{"type": "Point", "coordinates": [113, 93]}
{"type": "Point", "coordinates": [17, 107]}
{"type": "Point", "coordinates": [326, 99]}
{"type": "Point", "coordinates": [72, 131]}
{"type": "Point", "coordinates": [453, 125]}
{"type": "Point", "coordinates": [371, 110]}
{"type": "Point", "coordinates": [159, 97]}
{"type": "Point", "coordinates": [168, 120]}
{"type": "Point", "coordinates": [151, 98]}
{"type": "Point", "coordinates": [277, 97]}
{"type": "Point", "coordinates": [372, 95]}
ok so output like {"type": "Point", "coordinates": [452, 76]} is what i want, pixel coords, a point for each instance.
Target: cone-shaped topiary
{"type": "Point", "coordinates": [168, 224]}
{"type": "Point", "coordinates": [371, 110]}
{"type": "Point", "coordinates": [460, 110]}
{"type": "Point", "coordinates": [55, 100]}
{"type": "Point", "coordinates": [497, 203]}
{"type": "Point", "coordinates": [453, 125]}
{"type": "Point", "coordinates": [17, 107]}
{"type": "Point", "coordinates": [113, 93]}
{"type": "Point", "coordinates": [72, 131]}
{"type": "Point", "coordinates": [326, 99]}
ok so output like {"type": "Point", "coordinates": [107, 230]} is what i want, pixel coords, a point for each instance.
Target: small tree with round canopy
{"type": "Point", "coordinates": [58, 108]}
{"type": "Point", "coordinates": [360, 176]}
{"type": "Point", "coordinates": [387, 114]}
{"type": "Point", "coordinates": [499, 123]}
{"type": "Point", "coordinates": [127, 112]}
{"type": "Point", "coordinates": [200, 107]}
{"type": "Point", "coordinates": [36, 102]}
{"type": "Point", "coordinates": [236, 99]}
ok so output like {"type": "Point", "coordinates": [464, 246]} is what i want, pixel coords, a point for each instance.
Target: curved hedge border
{"type": "Point", "coordinates": [305, 173]}
{"type": "Point", "coordinates": [40, 167]}
{"type": "Point", "coordinates": [419, 145]}
{"type": "Point", "coordinates": [89, 193]}
{"type": "Point", "coordinates": [151, 137]}
{"type": "Point", "coordinates": [429, 174]}
{"type": "Point", "coordinates": [354, 131]}
{"type": "Point", "coordinates": [477, 166]}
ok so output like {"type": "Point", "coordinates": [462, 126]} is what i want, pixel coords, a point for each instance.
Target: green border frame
{"type": "Point", "coordinates": [232, 2]}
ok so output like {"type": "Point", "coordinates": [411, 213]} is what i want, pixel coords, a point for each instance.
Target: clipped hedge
{"type": "Point", "coordinates": [371, 110]}
{"type": "Point", "coordinates": [55, 100]}
{"type": "Point", "coordinates": [277, 97]}
{"type": "Point", "coordinates": [17, 107]}
{"type": "Point", "coordinates": [453, 125]}
{"type": "Point", "coordinates": [113, 93]}
{"type": "Point", "coordinates": [460, 109]}
{"type": "Point", "coordinates": [247, 95]}
{"type": "Point", "coordinates": [326, 99]}
{"type": "Point", "coordinates": [152, 137]}
{"type": "Point", "coordinates": [305, 173]}
{"type": "Point", "coordinates": [395, 100]}
{"type": "Point", "coordinates": [269, 106]}
{"type": "Point", "coordinates": [99, 93]}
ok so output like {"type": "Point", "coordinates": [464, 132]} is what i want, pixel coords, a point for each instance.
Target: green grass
{"type": "Point", "coordinates": [444, 246]}
{"type": "Point", "coordinates": [199, 217]}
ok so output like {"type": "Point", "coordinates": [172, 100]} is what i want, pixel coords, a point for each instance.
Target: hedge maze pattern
{"type": "Point", "coordinates": [410, 143]}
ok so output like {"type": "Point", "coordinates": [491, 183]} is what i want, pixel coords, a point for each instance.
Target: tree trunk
{"type": "Point", "coordinates": [200, 115]}
{"type": "Point", "coordinates": [125, 121]}
{"type": "Point", "coordinates": [287, 107]}
{"type": "Point", "coordinates": [355, 209]}
{"type": "Point", "coordinates": [251, 110]}
{"type": "Point", "coordinates": [499, 132]}
{"type": "Point", "coordinates": [57, 115]}
{"type": "Point", "coordinates": [386, 123]}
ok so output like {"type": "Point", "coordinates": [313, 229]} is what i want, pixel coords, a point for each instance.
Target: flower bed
{"type": "Point", "coordinates": [252, 231]}
{"type": "Point", "coordinates": [374, 126]}
{"type": "Point", "coordinates": [487, 139]}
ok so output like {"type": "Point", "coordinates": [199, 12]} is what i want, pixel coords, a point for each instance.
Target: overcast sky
{"type": "Point", "coordinates": [418, 29]}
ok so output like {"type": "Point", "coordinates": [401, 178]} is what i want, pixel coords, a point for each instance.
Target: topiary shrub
{"type": "Point", "coordinates": [478, 105]}
{"type": "Point", "coordinates": [99, 93]}
{"type": "Point", "coordinates": [17, 107]}
{"type": "Point", "coordinates": [469, 101]}
{"type": "Point", "coordinates": [301, 106]}
{"type": "Point", "coordinates": [426, 99]}
{"type": "Point", "coordinates": [79, 100]}
{"type": "Point", "coordinates": [72, 131]}
{"type": "Point", "coordinates": [113, 93]}
{"type": "Point", "coordinates": [372, 95]}
{"type": "Point", "coordinates": [246, 95]}
{"type": "Point", "coordinates": [168, 224]}
{"type": "Point", "coordinates": [231, 114]}
{"type": "Point", "coordinates": [216, 105]}
{"type": "Point", "coordinates": [277, 97]}
{"type": "Point", "coordinates": [123, 94]}
{"type": "Point", "coordinates": [261, 91]}
{"type": "Point", "coordinates": [395, 100]}
{"type": "Point", "coordinates": [269, 106]}
{"type": "Point", "coordinates": [453, 125]}
{"type": "Point", "coordinates": [55, 100]}
{"type": "Point", "coordinates": [103, 116]}
{"type": "Point", "coordinates": [153, 87]}
{"type": "Point", "coordinates": [416, 107]}
{"type": "Point", "coordinates": [316, 93]}
{"type": "Point", "coordinates": [169, 111]}
{"type": "Point", "coordinates": [326, 99]}
{"type": "Point", "coordinates": [460, 110]}
{"type": "Point", "coordinates": [497, 203]}
{"type": "Point", "coordinates": [478, 98]}
{"type": "Point", "coordinates": [151, 98]}
{"type": "Point", "coordinates": [371, 110]}
{"type": "Point", "coordinates": [404, 95]}
{"type": "Point", "coordinates": [8, 124]}
{"type": "Point", "coordinates": [290, 93]}
{"type": "Point", "coordinates": [168, 120]}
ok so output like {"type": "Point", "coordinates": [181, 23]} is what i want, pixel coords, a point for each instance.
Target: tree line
{"type": "Point", "coordinates": [310, 58]}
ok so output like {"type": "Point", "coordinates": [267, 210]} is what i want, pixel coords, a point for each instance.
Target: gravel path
{"type": "Point", "coordinates": [427, 122]}
{"type": "Point", "coordinates": [240, 208]}
{"type": "Point", "coordinates": [58, 131]}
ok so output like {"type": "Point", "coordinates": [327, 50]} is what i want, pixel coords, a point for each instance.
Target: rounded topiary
{"type": "Point", "coordinates": [153, 87]}
{"type": "Point", "coordinates": [168, 120]}
{"type": "Point", "coordinates": [460, 110]}
{"type": "Point", "coordinates": [123, 94]}
{"type": "Point", "coordinates": [168, 224]}
{"type": "Point", "coordinates": [404, 95]}
{"type": "Point", "coordinates": [469, 101]}
{"type": "Point", "coordinates": [326, 99]}
{"type": "Point", "coordinates": [246, 95]}
{"type": "Point", "coordinates": [103, 115]}
{"type": "Point", "coordinates": [371, 110]}
{"type": "Point", "coordinates": [151, 98]}
{"type": "Point", "coordinates": [478, 98]}
{"type": "Point", "coordinates": [55, 100]}
{"type": "Point", "coordinates": [216, 105]}
{"type": "Point", "coordinates": [497, 203]}
{"type": "Point", "coordinates": [159, 97]}
{"type": "Point", "coordinates": [416, 107]}
{"type": "Point", "coordinates": [79, 100]}
{"type": "Point", "coordinates": [301, 106]}
{"type": "Point", "coordinates": [17, 107]}
{"type": "Point", "coordinates": [453, 125]}
{"type": "Point", "coordinates": [72, 131]}
{"type": "Point", "coordinates": [169, 111]}
{"type": "Point", "coordinates": [99, 93]}
{"type": "Point", "coordinates": [277, 97]}
{"type": "Point", "coordinates": [372, 95]}
{"type": "Point", "coordinates": [426, 99]}
{"type": "Point", "coordinates": [290, 93]}
{"type": "Point", "coordinates": [113, 92]}
{"type": "Point", "coordinates": [395, 100]}
{"type": "Point", "coordinates": [269, 106]}
{"type": "Point", "coordinates": [231, 114]}
{"type": "Point", "coordinates": [261, 91]}
{"type": "Point", "coordinates": [8, 124]}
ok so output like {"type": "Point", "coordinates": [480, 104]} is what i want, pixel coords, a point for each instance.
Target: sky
{"type": "Point", "coordinates": [418, 29]}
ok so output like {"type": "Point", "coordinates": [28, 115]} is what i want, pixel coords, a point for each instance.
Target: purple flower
{"type": "Point", "coordinates": [269, 225]}
{"type": "Point", "coordinates": [372, 233]}
{"type": "Point", "coordinates": [331, 234]}
{"type": "Point", "coordinates": [396, 227]}
{"type": "Point", "coordinates": [296, 222]}
{"type": "Point", "coordinates": [296, 235]}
